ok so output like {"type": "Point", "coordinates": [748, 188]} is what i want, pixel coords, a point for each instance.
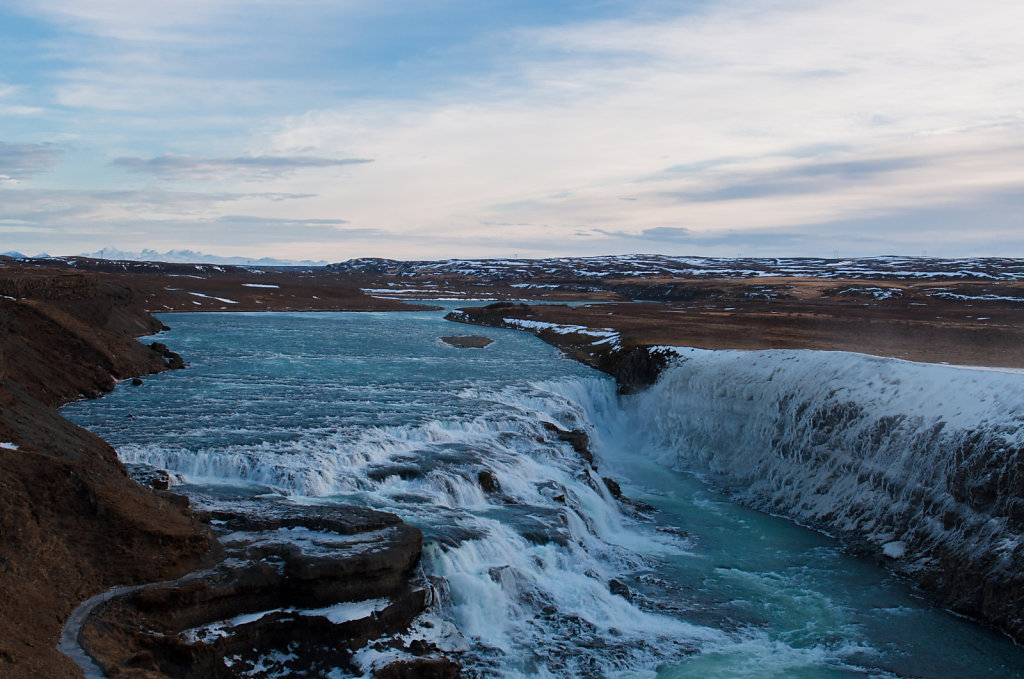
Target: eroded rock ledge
{"type": "Point", "coordinates": [300, 590]}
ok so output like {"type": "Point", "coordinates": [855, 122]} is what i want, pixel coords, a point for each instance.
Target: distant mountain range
{"type": "Point", "coordinates": [19, 255]}
{"type": "Point", "coordinates": [180, 257]}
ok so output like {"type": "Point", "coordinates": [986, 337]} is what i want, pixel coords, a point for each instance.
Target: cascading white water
{"type": "Point", "coordinates": [522, 573]}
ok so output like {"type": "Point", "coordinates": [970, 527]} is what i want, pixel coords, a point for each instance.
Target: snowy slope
{"type": "Point", "coordinates": [923, 464]}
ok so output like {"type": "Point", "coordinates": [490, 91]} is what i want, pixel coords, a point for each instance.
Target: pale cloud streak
{"type": "Point", "coordinates": [260, 168]}
{"type": "Point", "coordinates": [69, 210]}
{"type": "Point", "coordinates": [21, 161]}
{"type": "Point", "coordinates": [159, 22]}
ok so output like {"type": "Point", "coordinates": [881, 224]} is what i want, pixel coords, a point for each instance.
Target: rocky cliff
{"type": "Point", "coordinates": [72, 523]}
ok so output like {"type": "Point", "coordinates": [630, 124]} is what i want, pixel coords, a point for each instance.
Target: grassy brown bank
{"type": "Point", "coordinates": [167, 287]}
{"type": "Point", "coordinates": [72, 523]}
{"type": "Point", "coordinates": [957, 323]}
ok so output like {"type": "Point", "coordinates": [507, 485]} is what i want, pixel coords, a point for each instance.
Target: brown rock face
{"type": "Point", "coordinates": [579, 440]}
{"type": "Point", "coordinates": [71, 522]}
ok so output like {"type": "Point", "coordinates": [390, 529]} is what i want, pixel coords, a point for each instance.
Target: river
{"type": "Point", "coordinates": [542, 573]}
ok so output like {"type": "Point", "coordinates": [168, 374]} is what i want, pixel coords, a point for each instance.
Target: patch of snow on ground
{"type": "Point", "coordinates": [219, 299]}
{"type": "Point", "coordinates": [338, 613]}
{"type": "Point", "coordinates": [601, 335]}
{"type": "Point", "coordinates": [877, 293]}
{"type": "Point", "coordinates": [259, 285]}
{"type": "Point", "coordinates": [396, 290]}
{"type": "Point", "coordinates": [562, 329]}
{"type": "Point", "coordinates": [895, 550]}
{"type": "Point", "coordinates": [971, 298]}
{"type": "Point", "coordinates": [8, 445]}
{"type": "Point", "coordinates": [349, 610]}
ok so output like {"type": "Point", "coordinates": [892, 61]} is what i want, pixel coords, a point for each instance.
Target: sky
{"type": "Point", "coordinates": [332, 129]}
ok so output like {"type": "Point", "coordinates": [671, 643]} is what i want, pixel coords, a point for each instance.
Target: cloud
{"type": "Point", "coordinates": [128, 20]}
{"type": "Point", "coordinates": [256, 232]}
{"type": "Point", "coordinates": [21, 161]}
{"type": "Point", "coordinates": [801, 178]}
{"type": "Point", "coordinates": [949, 230]}
{"type": "Point", "coordinates": [901, 108]}
{"type": "Point", "coordinates": [75, 209]}
{"type": "Point", "coordinates": [8, 92]}
{"type": "Point", "coordinates": [183, 167]}
{"type": "Point", "coordinates": [672, 237]}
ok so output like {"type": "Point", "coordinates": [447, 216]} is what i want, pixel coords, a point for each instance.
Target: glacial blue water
{"type": "Point", "coordinates": [372, 408]}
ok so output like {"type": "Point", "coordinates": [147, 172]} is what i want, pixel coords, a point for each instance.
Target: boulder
{"type": "Point", "coordinates": [488, 482]}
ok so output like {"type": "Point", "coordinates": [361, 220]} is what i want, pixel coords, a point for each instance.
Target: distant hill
{"type": "Point", "coordinates": [561, 269]}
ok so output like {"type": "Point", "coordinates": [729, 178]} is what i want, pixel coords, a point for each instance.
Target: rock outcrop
{"type": "Point", "coordinates": [467, 341]}
{"type": "Point", "coordinates": [300, 590]}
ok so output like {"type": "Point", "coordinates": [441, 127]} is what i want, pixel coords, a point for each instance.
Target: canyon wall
{"type": "Point", "coordinates": [72, 523]}
{"type": "Point", "coordinates": [919, 466]}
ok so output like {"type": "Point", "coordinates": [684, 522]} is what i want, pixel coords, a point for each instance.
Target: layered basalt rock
{"type": "Point", "coordinates": [300, 590]}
